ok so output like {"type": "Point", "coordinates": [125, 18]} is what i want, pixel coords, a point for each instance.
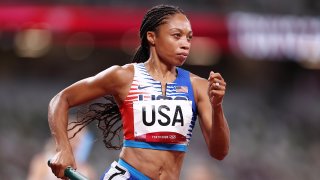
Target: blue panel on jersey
{"type": "Point", "coordinates": [158, 146]}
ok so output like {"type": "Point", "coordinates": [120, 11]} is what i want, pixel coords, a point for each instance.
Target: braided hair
{"type": "Point", "coordinates": [107, 113]}
{"type": "Point", "coordinates": [151, 21]}
{"type": "Point", "coordinates": [108, 117]}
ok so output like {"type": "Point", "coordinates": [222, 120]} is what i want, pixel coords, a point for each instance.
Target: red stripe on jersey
{"type": "Point", "coordinates": [131, 98]}
{"type": "Point", "coordinates": [137, 92]}
{"type": "Point", "coordinates": [127, 120]}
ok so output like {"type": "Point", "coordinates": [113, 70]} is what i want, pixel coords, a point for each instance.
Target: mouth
{"type": "Point", "coordinates": [183, 56]}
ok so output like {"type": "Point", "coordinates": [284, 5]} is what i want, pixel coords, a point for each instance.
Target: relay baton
{"type": "Point", "coordinates": [72, 174]}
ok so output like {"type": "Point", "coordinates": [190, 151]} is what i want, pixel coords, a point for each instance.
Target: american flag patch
{"type": "Point", "coordinates": [182, 89]}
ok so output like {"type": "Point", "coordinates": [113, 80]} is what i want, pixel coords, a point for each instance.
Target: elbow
{"type": "Point", "coordinates": [58, 100]}
{"type": "Point", "coordinates": [54, 101]}
{"type": "Point", "coordinates": [219, 157]}
{"type": "Point", "coordinates": [219, 154]}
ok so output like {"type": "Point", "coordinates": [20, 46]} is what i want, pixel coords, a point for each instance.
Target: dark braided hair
{"type": "Point", "coordinates": [107, 114]}
{"type": "Point", "coordinates": [108, 118]}
{"type": "Point", "coordinates": [151, 21]}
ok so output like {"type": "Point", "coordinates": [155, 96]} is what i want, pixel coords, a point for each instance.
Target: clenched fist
{"type": "Point", "coordinates": [216, 88]}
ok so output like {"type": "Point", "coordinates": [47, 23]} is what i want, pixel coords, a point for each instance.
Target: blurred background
{"type": "Point", "coordinates": [267, 51]}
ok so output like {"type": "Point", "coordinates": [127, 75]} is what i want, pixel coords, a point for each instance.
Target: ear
{"type": "Point", "coordinates": [151, 36]}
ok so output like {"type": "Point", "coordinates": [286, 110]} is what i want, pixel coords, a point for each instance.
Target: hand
{"type": "Point", "coordinates": [60, 161]}
{"type": "Point", "coordinates": [216, 88]}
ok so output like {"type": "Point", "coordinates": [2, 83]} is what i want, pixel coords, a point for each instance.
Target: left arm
{"type": "Point", "coordinates": [209, 96]}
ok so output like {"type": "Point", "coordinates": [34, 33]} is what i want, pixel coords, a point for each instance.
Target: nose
{"type": "Point", "coordinates": [185, 43]}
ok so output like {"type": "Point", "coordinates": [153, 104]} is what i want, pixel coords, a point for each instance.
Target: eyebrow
{"type": "Point", "coordinates": [171, 29]}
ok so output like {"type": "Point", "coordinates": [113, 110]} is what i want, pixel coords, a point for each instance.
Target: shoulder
{"type": "Point", "coordinates": [200, 86]}
{"type": "Point", "coordinates": [114, 78]}
{"type": "Point", "coordinates": [197, 80]}
{"type": "Point", "coordinates": [198, 83]}
{"type": "Point", "coordinates": [121, 70]}
{"type": "Point", "coordinates": [118, 74]}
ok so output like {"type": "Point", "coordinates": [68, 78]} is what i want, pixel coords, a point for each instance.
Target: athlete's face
{"type": "Point", "coordinates": [172, 40]}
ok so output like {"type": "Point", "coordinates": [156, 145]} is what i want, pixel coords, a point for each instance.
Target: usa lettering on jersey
{"type": "Point", "coordinates": [162, 120]}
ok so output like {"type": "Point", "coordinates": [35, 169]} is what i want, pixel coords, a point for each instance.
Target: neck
{"type": "Point", "coordinates": [161, 71]}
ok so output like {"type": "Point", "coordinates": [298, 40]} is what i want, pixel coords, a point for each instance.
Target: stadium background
{"type": "Point", "coordinates": [268, 52]}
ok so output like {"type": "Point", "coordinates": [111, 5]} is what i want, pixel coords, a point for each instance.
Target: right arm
{"type": "Point", "coordinates": [115, 81]}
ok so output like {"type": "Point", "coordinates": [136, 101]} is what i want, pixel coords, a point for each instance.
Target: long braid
{"type": "Point", "coordinates": [152, 19]}
{"type": "Point", "coordinates": [107, 114]}
{"type": "Point", "coordinates": [108, 118]}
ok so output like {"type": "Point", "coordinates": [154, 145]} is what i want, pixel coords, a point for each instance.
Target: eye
{"type": "Point", "coordinates": [189, 37]}
{"type": "Point", "coordinates": [177, 35]}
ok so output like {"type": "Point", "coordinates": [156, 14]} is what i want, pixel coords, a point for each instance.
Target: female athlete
{"type": "Point", "coordinates": [157, 101]}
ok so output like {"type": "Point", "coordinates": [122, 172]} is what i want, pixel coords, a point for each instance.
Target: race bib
{"type": "Point", "coordinates": [117, 172]}
{"type": "Point", "coordinates": [165, 121]}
